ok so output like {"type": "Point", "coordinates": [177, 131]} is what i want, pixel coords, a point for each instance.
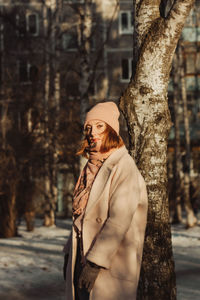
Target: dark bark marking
{"type": "Point", "coordinates": [144, 90]}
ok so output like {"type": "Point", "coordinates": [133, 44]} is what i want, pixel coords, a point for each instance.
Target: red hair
{"type": "Point", "coordinates": [110, 140]}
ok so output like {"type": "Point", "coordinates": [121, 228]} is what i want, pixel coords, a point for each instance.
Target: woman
{"type": "Point", "coordinates": [103, 254]}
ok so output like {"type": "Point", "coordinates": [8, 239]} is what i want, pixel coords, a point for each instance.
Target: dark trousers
{"type": "Point", "coordinates": [80, 294]}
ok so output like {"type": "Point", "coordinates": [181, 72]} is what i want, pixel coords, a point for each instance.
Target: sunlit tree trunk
{"type": "Point", "coordinates": [85, 31]}
{"type": "Point", "coordinates": [49, 205]}
{"type": "Point", "coordinates": [55, 102]}
{"type": "Point", "coordinates": [8, 187]}
{"type": "Point", "coordinates": [191, 219]}
{"type": "Point", "coordinates": [8, 174]}
{"type": "Point", "coordinates": [145, 107]}
{"type": "Point", "coordinates": [52, 103]}
{"type": "Point", "coordinates": [8, 226]}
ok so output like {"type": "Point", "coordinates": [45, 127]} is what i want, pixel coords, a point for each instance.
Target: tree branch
{"type": "Point", "coordinates": [177, 16]}
{"type": "Point", "coordinates": [163, 34]}
{"type": "Point", "coordinates": [145, 12]}
{"type": "Point", "coordinates": [148, 11]}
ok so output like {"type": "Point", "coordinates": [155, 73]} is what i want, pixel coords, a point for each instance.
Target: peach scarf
{"type": "Point", "coordinates": [85, 181]}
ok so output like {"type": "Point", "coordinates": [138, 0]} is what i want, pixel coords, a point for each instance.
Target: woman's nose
{"type": "Point", "coordinates": [92, 132]}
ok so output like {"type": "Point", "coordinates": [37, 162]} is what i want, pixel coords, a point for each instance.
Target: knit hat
{"type": "Point", "coordinates": [107, 112]}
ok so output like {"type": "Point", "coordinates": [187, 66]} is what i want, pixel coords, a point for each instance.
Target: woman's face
{"type": "Point", "coordinates": [94, 132]}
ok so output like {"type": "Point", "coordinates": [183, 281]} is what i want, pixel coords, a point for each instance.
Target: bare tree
{"type": "Point", "coordinates": [43, 116]}
{"type": "Point", "coordinates": [22, 113]}
{"type": "Point", "coordinates": [8, 186]}
{"type": "Point", "coordinates": [177, 217]}
{"type": "Point", "coordinates": [85, 31]}
{"type": "Point", "coordinates": [145, 107]}
{"type": "Point", "coordinates": [84, 63]}
{"type": "Point", "coordinates": [52, 102]}
{"type": "Point", "coordinates": [191, 219]}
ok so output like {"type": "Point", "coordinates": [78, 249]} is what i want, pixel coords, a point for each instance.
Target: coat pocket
{"type": "Point", "coordinates": [125, 265]}
{"type": "Point", "coordinates": [91, 229]}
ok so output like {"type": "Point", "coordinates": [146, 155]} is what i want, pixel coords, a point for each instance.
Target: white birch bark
{"type": "Point", "coordinates": [145, 108]}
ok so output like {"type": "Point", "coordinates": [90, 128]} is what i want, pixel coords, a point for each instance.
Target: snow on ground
{"type": "Point", "coordinates": [186, 247]}
{"type": "Point", "coordinates": [31, 265]}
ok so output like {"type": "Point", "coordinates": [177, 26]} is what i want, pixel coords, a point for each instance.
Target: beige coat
{"type": "Point", "coordinates": [113, 229]}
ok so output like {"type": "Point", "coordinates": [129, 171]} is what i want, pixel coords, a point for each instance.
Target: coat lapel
{"type": "Point", "coordinates": [98, 186]}
{"type": "Point", "coordinates": [102, 177]}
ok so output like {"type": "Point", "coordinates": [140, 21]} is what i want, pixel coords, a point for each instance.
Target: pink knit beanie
{"type": "Point", "coordinates": [107, 112]}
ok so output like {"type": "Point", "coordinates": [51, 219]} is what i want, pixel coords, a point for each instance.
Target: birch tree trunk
{"type": "Point", "coordinates": [145, 107]}
{"type": "Point", "coordinates": [49, 205]}
{"type": "Point", "coordinates": [191, 219]}
{"type": "Point", "coordinates": [85, 30]}
{"type": "Point", "coordinates": [52, 103]}
{"type": "Point", "coordinates": [177, 218]}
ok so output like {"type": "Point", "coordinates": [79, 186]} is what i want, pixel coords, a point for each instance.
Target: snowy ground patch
{"type": "Point", "coordinates": [186, 247]}
{"type": "Point", "coordinates": [31, 265]}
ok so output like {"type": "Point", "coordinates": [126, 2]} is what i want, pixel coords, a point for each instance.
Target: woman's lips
{"type": "Point", "coordinates": [94, 140]}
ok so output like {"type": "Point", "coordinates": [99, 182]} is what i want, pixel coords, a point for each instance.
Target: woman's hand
{"type": "Point", "coordinates": [88, 276]}
{"type": "Point", "coordinates": [66, 257]}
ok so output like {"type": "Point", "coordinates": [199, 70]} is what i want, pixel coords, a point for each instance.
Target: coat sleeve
{"type": "Point", "coordinates": [123, 203]}
{"type": "Point", "coordinates": [68, 245]}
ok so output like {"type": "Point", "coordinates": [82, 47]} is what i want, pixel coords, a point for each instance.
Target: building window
{"type": "Point", "coordinates": [27, 24]}
{"type": "Point", "coordinates": [198, 109]}
{"type": "Point", "coordinates": [69, 41]}
{"type": "Point", "coordinates": [21, 24]}
{"type": "Point", "coordinates": [190, 60]}
{"type": "Point", "coordinates": [126, 22]}
{"type": "Point", "coordinates": [32, 24]}
{"type": "Point", "coordinates": [126, 67]}
{"type": "Point", "coordinates": [92, 42]}
{"type": "Point", "coordinates": [191, 20]}
{"type": "Point", "coordinates": [27, 72]}
{"type": "Point", "coordinates": [74, 1]}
